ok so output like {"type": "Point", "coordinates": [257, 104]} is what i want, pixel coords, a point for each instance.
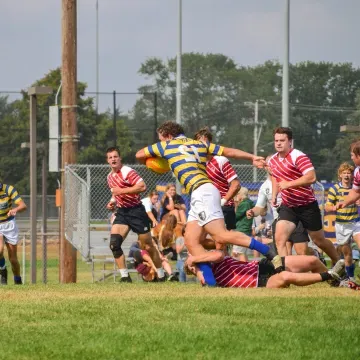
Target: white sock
{"type": "Point", "coordinates": [160, 272]}
{"type": "Point", "coordinates": [124, 272]}
{"type": "Point", "coordinates": [3, 268]}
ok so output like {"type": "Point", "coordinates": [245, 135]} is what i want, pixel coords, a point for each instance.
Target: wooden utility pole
{"type": "Point", "coordinates": [69, 136]}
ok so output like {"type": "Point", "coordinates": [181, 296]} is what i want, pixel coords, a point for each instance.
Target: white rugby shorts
{"type": "Point", "coordinates": [10, 232]}
{"type": "Point", "coordinates": [344, 232]}
{"type": "Point", "coordinates": [205, 204]}
{"type": "Point", "coordinates": [236, 249]}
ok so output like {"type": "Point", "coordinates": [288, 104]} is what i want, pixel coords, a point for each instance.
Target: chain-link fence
{"type": "Point", "coordinates": [87, 193]}
{"type": "Point", "coordinates": [95, 176]}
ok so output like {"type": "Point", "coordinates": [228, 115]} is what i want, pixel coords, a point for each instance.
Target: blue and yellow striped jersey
{"type": "Point", "coordinates": [8, 196]}
{"type": "Point", "coordinates": [187, 159]}
{"type": "Point", "coordinates": [337, 194]}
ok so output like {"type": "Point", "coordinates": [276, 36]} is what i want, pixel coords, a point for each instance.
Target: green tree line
{"type": "Point", "coordinates": [216, 92]}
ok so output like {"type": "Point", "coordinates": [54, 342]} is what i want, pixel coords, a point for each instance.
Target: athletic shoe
{"type": "Point", "coordinates": [18, 282]}
{"type": "Point", "coordinates": [173, 277]}
{"type": "Point", "coordinates": [126, 279]}
{"type": "Point", "coordinates": [3, 276]}
{"type": "Point", "coordinates": [338, 270]}
{"type": "Point", "coordinates": [278, 264]}
{"type": "Point", "coordinates": [162, 279]}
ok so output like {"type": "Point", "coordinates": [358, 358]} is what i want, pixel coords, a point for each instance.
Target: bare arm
{"type": "Point", "coordinates": [237, 154]}
{"type": "Point", "coordinates": [306, 180]}
{"type": "Point", "coordinates": [21, 206]}
{"type": "Point", "coordinates": [233, 189]}
{"type": "Point", "coordinates": [350, 199]}
{"type": "Point", "coordinates": [136, 189]}
{"type": "Point", "coordinates": [275, 190]}
{"type": "Point", "coordinates": [140, 156]}
{"type": "Point", "coordinates": [152, 218]}
{"type": "Point", "coordinates": [256, 211]}
{"type": "Point", "coordinates": [148, 259]}
{"type": "Point", "coordinates": [208, 256]}
{"type": "Point", "coordinates": [329, 207]}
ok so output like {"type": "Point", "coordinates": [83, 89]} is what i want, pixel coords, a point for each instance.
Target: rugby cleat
{"type": "Point", "coordinates": [338, 270]}
{"type": "Point", "coordinates": [126, 279]}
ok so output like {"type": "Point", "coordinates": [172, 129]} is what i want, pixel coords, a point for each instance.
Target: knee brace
{"type": "Point", "coordinates": [116, 241]}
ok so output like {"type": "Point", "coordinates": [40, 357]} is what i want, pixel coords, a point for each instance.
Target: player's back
{"type": "Point", "coordinates": [187, 159]}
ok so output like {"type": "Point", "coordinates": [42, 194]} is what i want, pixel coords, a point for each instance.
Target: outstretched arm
{"type": "Point", "coordinates": [141, 156]}
{"type": "Point", "coordinates": [351, 198]}
{"type": "Point", "coordinates": [257, 161]}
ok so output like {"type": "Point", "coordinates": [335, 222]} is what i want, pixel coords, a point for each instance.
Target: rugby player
{"type": "Point", "coordinates": [187, 159]}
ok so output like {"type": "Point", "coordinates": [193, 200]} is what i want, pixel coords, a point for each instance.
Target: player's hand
{"type": "Point", "coordinates": [274, 203]}
{"type": "Point", "coordinates": [259, 162]}
{"type": "Point", "coordinates": [110, 206]}
{"type": "Point", "coordinates": [250, 214]}
{"type": "Point", "coordinates": [223, 202]}
{"type": "Point", "coordinates": [12, 212]}
{"type": "Point", "coordinates": [189, 260]}
{"type": "Point", "coordinates": [154, 223]}
{"type": "Point", "coordinates": [338, 206]}
{"type": "Point", "coordinates": [284, 185]}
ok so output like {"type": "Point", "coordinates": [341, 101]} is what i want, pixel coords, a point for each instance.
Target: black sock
{"type": "Point", "coordinates": [325, 276]}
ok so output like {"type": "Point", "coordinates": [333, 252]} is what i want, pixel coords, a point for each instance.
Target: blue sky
{"type": "Point", "coordinates": [250, 32]}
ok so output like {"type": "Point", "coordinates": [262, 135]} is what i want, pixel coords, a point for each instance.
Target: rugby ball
{"type": "Point", "coordinates": [157, 165]}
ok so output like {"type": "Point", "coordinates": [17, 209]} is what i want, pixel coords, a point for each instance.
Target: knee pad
{"type": "Point", "coordinates": [116, 241]}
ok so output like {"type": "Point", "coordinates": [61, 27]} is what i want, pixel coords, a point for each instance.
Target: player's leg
{"type": "Point", "coordinates": [349, 266]}
{"type": "Point", "coordinates": [3, 269]}
{"type": "Point", "coordinates": [194, 234]}
{"type": "Point", "coordinates": [285, 225]}
{"type": "Point", "coordinates": [289, 247]}
{"type": "Point", "coordinates": [15, 265]}
{"type": "Point", "coordinates": [300, 238]}
{"type": "Point", "coordinates": [304, 263]}
{"type": "Point", "coordinates": [310, 216]}
{"type": "Point", "coordinates": [286, 278]}
{"type": "Point", "coordinates": [138, 221]}
{"type": "Point", "coordinates": [182, 216]}
{"type": "Point", "coordinates": [11, 238]}
{"type": "Point", "coordinates": [118, 234]}
{"type": "Point", "coordinates": [356, 234]}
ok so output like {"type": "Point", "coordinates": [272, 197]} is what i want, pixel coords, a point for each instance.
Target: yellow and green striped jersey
{"type": "Point", "coordinates": [187, 159]}
{"type": "Point", "coordinates": [336, 194]}
{"type": "Point", "coordinates": [8, 196]}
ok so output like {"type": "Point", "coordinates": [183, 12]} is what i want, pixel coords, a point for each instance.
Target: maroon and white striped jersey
{"type": "Point", "coordinates": [292, 167]}
{"type": "Point", "coordinates": [356, 182]}
{"type": "Point", "coordinates": [234, 273]}
{"type": "Point", "coordinates": [221, 174]}
{"type": "Point", "coordinates": [124, 178]}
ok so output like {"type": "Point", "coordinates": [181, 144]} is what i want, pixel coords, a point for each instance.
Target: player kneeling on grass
{"type": "Point", "coordinates": [300, 270]}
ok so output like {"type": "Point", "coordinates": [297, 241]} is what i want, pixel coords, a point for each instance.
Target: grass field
{"type": "Point", "coordinates": [175, 321]}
